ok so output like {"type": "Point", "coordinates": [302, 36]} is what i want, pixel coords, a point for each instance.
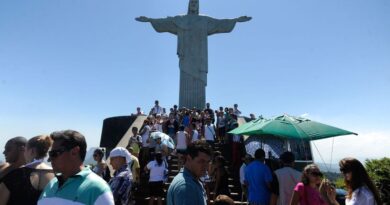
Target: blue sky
{"type": "Point", "coordinates": [71, 64]}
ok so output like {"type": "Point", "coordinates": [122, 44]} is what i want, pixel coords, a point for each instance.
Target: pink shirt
{"type": "Point", "coordinates": [308, 195]}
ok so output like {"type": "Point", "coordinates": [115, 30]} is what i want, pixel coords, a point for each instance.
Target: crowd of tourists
{"type": "Point", "coordinates": [25, 177]}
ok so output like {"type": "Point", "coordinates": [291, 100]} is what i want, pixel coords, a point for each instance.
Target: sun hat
{"type": "Point", "coordinates": [121, 152]}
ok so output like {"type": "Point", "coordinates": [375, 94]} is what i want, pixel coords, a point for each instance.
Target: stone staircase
{"type": "Point", "coordinates": [234, 184]}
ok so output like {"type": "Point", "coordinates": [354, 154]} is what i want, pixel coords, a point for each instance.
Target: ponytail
{"type": "Point", "coordinates": [158, 157]}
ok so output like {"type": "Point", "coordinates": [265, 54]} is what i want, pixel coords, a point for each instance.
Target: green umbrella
{"type": "Point", "coordinates": [245, 126]}
{"type": "Point", "coordinates": [286, 126]}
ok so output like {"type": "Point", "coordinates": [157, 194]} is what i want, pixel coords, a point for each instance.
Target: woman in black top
{"type": "Point", "coordinates": [24, 185]}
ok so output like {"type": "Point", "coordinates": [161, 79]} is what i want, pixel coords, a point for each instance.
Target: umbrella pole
{"type": "Point", "coordinates": [331, 154]}
{"type": "Point", "coordinates": [288, 146]}
{"type": "Point", "coordinates": [327, 168]}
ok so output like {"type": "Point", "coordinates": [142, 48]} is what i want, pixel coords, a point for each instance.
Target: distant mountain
{"type": "Point", "coordinates": [334, 168]}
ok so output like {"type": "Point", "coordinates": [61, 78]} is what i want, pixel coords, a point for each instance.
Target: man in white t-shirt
{"type": "Point", "coordinates": [209, 132]}
{"type": "Point", "coordinates": [157, 109]}
{"type": "Point", "coordinates": [282, 186]}
{"type": "Point", "coordinates": [236, 111]}
{"type": "Point", "coordinates": [182, 141]}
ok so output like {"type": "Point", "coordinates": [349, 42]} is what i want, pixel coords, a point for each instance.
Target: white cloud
{"type": "Point", "coordinates": [367, 145]}
{"type": "Point", "coordinates": [305, 115]}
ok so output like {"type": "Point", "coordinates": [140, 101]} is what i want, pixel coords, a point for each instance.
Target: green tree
{"type": "Point", "coordinates": [339, 183]}
{"type": "Point", "coordinates": [379, 171]}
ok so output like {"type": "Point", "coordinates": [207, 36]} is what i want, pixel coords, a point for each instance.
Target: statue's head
{"type": "Point", "coordinates": [193, 7]}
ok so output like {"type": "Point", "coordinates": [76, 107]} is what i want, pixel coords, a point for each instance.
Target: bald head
{"type": "Point", "coordinates": [14, 149]}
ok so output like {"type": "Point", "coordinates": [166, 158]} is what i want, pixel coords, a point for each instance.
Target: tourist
{"type": "Point", "coordinates": [247, 159]}
{"type": "Point", "coordinates": [151, 142]}
{"type": "Point", "coordinates": [175, 112]}
{"type": "Point", "coordinates": [185, 187]}
{"type": "Point", "coordinates": [221, 122]}
{"type": "Point", "coordinates": [237, 146]}
{"type": "Point", "coordinates": [231, 122]}
{"type": "Point", "coordinates": [162, 148]}
{"type": "Point", "coordinates": [158, 124]}
{"type": "Point", "coordinates": [284, 180]}
{"type": "Point", "coordinates": [236, 111]}
{"type": "Point", "coordinates": [14, 155]}
{"type": "Point", "coordinates": [67, 155]}
{"type": "Point", "coordinates": [360, 189]}
{"type": "Point", "coordinates": [135, 168]}
{"type": "Point", "coordinates": [210, 112]}
{"type": "Point", "coordinates": [145, 150]}
{"type": "Point", "coordinates": [195, 134]}
{"type": "Point", "coordinates": [171, 126]}
{"type": "Point", "coordinates": [252, 116]}
{"type": "Point", "coordinates": [182, 141]}
{"type": "Point", "coordinates": [101, 166]}
{"type": "Point", "coordinates": [209, 132]}
{"type": "Point", "coordinates": [120, 183]}
{"type": "Point", "coordinates": [307, 191]}
{"type": "Point", "coordinates": [135, 141]}
{"type": "Point", "coordinates": [158, 170]}
{"type": "Point", "coordinates": [24, 185]}
{"type": "Point", "coordinates": [258, 178]}
{"type": "Point", "coordinates": [186, 119]}
{"type": "Point", "coordinates": [139, 112]}
{"type": "Point", "coordinates": [164, 114]}
{"type": "Point", "coordinates": [210, 177]}
{"type": "Point", "coordinates": [221, 174]}
{"type": "Point", "coordinates": [157, 109]}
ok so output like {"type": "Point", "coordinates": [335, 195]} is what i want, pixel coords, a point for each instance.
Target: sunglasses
{"type": "Point", "coordinates": [57, 152]}
{"type": "Point", "coordinates": [344, 170]}
{"type": "Point", "coordinates": [317, 174]}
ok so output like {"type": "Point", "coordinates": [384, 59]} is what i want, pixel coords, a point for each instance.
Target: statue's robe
{"type": "Point", "coordinates": [192, 32]}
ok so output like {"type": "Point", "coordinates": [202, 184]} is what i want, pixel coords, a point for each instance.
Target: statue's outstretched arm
{"type": "Point", "coordinates": [160, 24]}
{"type": "Point", "coordinates": [143, 19]}
{"type": "Point", "coordinates": [243, 19]}
{"type": "Point", "coordinates": [152, 20]}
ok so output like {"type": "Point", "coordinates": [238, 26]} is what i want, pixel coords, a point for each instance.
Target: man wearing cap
{"type": "Point", "coordinates": [121, 182]}
{"type": "Point", "coordinates": [74, 183]}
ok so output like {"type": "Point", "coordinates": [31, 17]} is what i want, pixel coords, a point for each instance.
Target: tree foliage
{"type": "Point", "coordinates": [379, 171]}
{"type": "Point", "coordinates": [339, 183]}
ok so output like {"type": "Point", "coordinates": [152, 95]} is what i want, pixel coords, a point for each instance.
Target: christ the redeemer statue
{"type": "Point", "coordinates": [192, 31]}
